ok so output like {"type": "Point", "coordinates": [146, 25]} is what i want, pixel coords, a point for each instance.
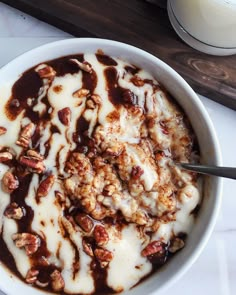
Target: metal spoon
{"type": "Point", "coordinates": [228, 172]}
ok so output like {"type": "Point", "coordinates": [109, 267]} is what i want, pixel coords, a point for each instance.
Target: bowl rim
{"type": "Point", "coordinates": [196, 103]}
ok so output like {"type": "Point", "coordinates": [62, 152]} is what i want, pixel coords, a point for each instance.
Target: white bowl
{"type": "Point", "coordinates": [202, 126]}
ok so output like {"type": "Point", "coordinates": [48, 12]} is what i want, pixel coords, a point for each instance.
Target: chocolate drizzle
{"type": "Point", "coordinates": [106, 60]}
{"type": "Point", "coordinates": [27, 86]}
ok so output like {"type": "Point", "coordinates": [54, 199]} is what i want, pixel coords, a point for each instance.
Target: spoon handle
{"type": "Point", "coordinates": [228, 172]}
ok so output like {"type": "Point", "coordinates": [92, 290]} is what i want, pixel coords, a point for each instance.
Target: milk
{"type": "Point", "coordinates": [210, 21]}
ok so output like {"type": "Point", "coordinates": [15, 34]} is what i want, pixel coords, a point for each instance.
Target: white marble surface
{"type": "Point", "coordinates": [215, 270]}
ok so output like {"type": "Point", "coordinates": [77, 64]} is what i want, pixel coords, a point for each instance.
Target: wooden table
{"type": "Point", "coordinates": [146, 26]}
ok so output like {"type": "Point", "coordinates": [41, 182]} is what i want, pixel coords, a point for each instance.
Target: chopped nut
{"type": "Point", "coordinates": [96, 98]}
{"type": "Point", "coordinates": [14, 211]}
{"type": "Point", "coordinates": [108, 190]}
{"type": "Point", "coordinates": [58, 283]}
{"type": "Point", "coordinates": [25, 135]}
{"type": "Point", "coordinates": [30, 242]}
{"type": "Point", "coordinates": [152, 248]}
{"type": "Point", "coordinates": [46, 72]}
{"type": "Point", "coordinates": [84, 66]}
{"type": "Point", "coordinates": [5, 156]}
{"type": "Point", "coordinates": [33, 164]}
{"type": "Point", "coordinates": [64, 116]}
{"type": "Point", "coordinates": [78, 164]}
{"type": "Point", "coordinates": [59, 196]}
{"type": "Point", "coordinates": [136, 172]}
{"type": "Point", "coordinates": [137, 81]}
{"type": "Point", "coordinates": [100, 235]}
{"type": "Point", "coordinates": [31, 276]}
{"type": "Point", "coordinates": [3, 130]}
{"type": "Point", "coordinates": [84, 221]}
{"type": "Point", "coordinates": [45, 186]}
{"type": "Point", "coordinates": [87, 248]}
{"type": "Point", "coordinates": [9, 182]}
{"type": "Point", "coordinates": [103, 256]}
{"type": "Point", "coordinates": [82, 92]}
{"type": "Point", "coordinates": [176, 245]}
{"type": "Point", "coordinates": [35, 155]}
{"type": "Point", "coordinates": [90, 104]}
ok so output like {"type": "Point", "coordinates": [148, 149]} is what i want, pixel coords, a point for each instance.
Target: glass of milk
{"type": "Point", "coordinates": [207, 25]}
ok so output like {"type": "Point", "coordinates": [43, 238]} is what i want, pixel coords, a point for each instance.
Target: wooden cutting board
{"type": "Point", "coordinates": [146, 26]}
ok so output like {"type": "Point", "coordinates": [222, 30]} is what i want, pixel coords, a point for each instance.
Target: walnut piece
{"type": "Point", "coordinates": [64, 116]}
{"type": "Point", "coordinates": [45, 186]}
{"type": "Point", "coordinates": [31, 276]}
{"type": "Point", "coordinates": [25, 135]}
{"type": "Point", "coordinates": [103, 256]}
{"type": "Point", "coordinates": [58, 283]}
{"type": "Point", "coordinates": [84, 221]}
{"type": "Point", "coordinates": [46, 72]}
{"type": "Point", "coordinates": [101, 236]}
{"type": "Point", "coordinates": [78, 164]}
{"type": "Point", "coordinates": [176, 244]}
{"type": "Point", "coordinates": [3, 130]}
{"type": "Point", "coordinates": [82, 92]}
{"type": "Point", "coordinates": [28, 241]}
{"type": "Point", "coordinates": [14, 211]}
{"type": "Point", "coordinates": [84, 66]}
{"type": "Point", "coordinates": [9, 182]}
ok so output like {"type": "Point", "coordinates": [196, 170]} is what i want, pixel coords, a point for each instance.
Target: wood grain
{"type": "Point", "coordinates": [146, 26]}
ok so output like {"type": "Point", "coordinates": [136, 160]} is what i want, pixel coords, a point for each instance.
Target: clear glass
{"type": "Point", "coordinates": [208, 25]}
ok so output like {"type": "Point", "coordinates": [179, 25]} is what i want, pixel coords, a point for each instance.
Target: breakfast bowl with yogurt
{"type": "Point", "coordinates": [92, 201]}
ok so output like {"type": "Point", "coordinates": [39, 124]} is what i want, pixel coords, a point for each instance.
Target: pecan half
{"type": "Point", "coordinates": [84, 66]}
{"type": "Point", "coordinates": [103, 256]}
{"type": "Point", "coordinates": [82, 92]}
{"type": "Point", "coordinates": [35, 155]}
{"type": "Point", "coordinates": [25, 135]}
{"type": "Point", "coordinates": [31, 276]}
{"type": "Point", "coordinates": [14, 211]}
{"type": "Point", "coordinates": [5, 156]}
{"type": "Point", "coordinates": [28, 241]}
{"type": "Point", "coordinates": [58, 283]}
{"type": "Point", "coordinates": [84, 221]}
{"type": "Point", "coordinates": [87, 247]}
{"type": "Point", "coordinates": [32, 164]}
{"type": "Point", "coordinates": [100, 235]}
{"type": "Point", "coordinates": [3, 130]}
{"type": "Point", "coordinates": [64, 116]}
{"type": "Point", "coordinates": [46, 72]}
{"type": "Point", "coordinates": [9, 182]}
{"type": "Point", "coordinates": [152, 248]}
{"type": "Point", "coordinates": [136, 172]}
{"type": "Point", "coordinates": [45, 186]}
